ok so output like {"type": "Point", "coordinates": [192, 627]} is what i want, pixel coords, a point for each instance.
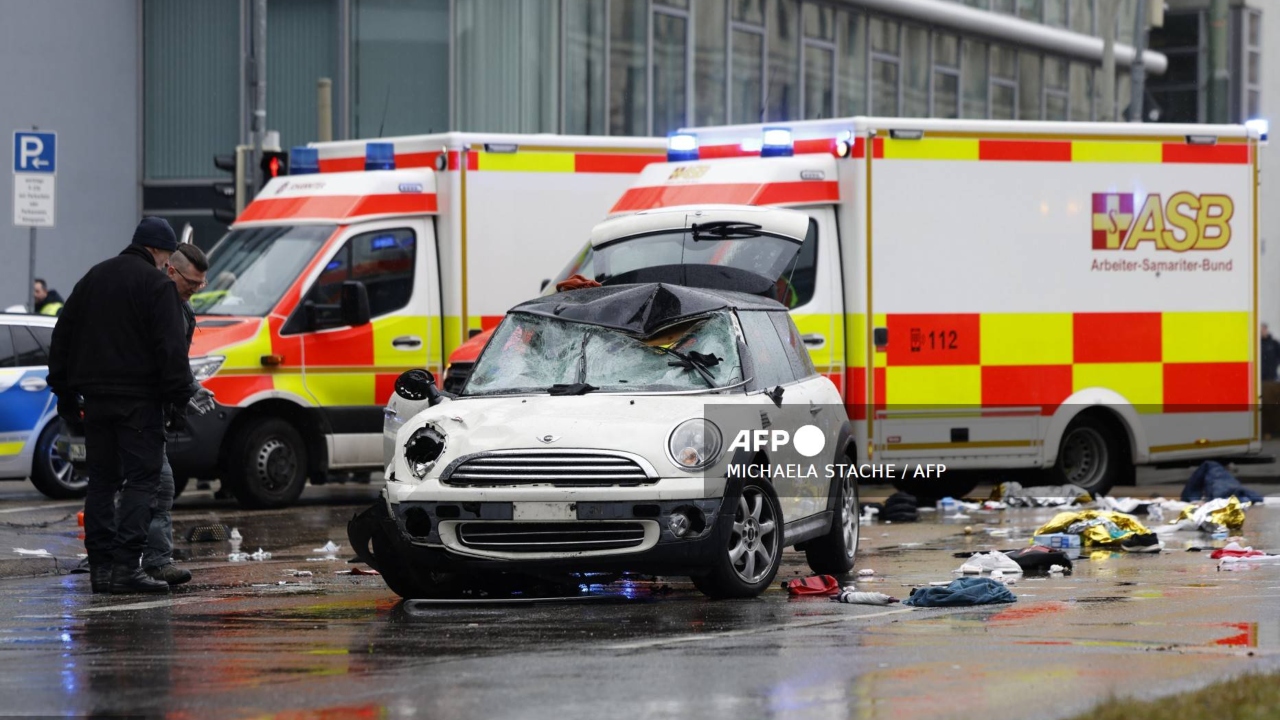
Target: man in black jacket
{"type": "Point", "coordinates": [120, 343]}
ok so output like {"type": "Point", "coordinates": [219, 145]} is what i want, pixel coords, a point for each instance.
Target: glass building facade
{"type": "Point", "coordinates": [607, 67]}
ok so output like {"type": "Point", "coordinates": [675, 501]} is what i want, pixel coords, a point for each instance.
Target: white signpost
{"type": "Point", "coordinates": [35, 165]}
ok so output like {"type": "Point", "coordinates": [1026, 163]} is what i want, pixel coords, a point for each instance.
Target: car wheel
{"type": "Point", "coordinates": [268, 467]}
{"type": "Point", "coordinates": [832, 554]}
{"type": "Point", "coordinates": [396, 573]}
{"type": "Point", "coordinates": [752, 549]}
{"type": "Point", "coordinates": [1089, 457]}
{"type": "Point", "coordinates": [50, 473]}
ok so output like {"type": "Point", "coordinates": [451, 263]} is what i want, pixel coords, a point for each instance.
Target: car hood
{"type": "Point", "coordinates": [635, 424]}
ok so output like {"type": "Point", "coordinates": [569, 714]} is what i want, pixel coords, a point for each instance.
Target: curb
{"type": "Point", "coordinates": [25, 567]}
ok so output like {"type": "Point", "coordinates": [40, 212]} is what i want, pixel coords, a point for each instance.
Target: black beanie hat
{"type": "Point", "coordinates": [155, 232]}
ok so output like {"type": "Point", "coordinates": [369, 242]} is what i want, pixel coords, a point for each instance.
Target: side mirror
{"type": "Point", "coordinates": [418, 385]}
{"type": "Point", "coordinates": [355, 303]}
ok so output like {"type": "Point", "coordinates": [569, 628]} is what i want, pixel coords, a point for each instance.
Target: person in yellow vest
{"type": "Point", "coordinates": [48, 302]}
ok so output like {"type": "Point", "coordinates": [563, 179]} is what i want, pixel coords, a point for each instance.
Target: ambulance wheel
{"type": "Point", "coordinates": [269, 464]}
{"type": "Point", "coordinates": [1090, 456]}
{"type": "Point", "coordinates": [50, 473]}
{"type": "Point", "coordinates": [832, 554]}
{"type": "Point", "coordinates": [752, 547]}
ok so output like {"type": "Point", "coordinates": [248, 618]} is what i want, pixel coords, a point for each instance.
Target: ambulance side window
{"type": "Point", "coordinates": [383, 260]}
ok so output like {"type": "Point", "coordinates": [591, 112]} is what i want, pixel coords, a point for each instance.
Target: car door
{"type": "Point", "coordinates": [24, 397]}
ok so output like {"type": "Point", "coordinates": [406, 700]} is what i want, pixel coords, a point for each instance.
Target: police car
{"type": "Point", "coordinates": [616, 428]}
{"type": "Point", "coordinates": [29, 426]}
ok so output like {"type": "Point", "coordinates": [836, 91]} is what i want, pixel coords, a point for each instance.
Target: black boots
{"type": "Point", "coordinates": [100, 578]}
{"type": "Point", "coordinates": [127, 579]}
{"type": "Point", "coordinates": [171, 574]}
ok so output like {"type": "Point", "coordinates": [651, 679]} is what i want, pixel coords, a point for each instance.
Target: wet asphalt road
{"type": "Point", "coordinates": [252, 640]}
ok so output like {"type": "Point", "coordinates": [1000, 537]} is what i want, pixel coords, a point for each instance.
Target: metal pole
{"type": "Point", "coordinates": [31, 272]}
{"type": "Point", "coordinates": [324, 105]}
{"type": "Point", "coordinates": [260, 91]}
{"type": "Point", "coordinates": [1138, 72]}
{"type": "Point", "coordinates": [1107, 83]}
{"type": "Point", "coordinates": [1219, 75]}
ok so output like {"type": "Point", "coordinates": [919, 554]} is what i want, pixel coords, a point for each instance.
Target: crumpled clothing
{"type": "Point", "coordinates": [1015, 495]}
{"type": "Point", "coordinates": [1212, 481]}
{"type": "Point", "coordinates": [812, 585]}
{"type": "Point", "coordinates": [900, 507]}
{"type": "Point", "coordinates": [1040, 560]}
{"type": "Point", "coordinates": [1234, 550]}
{"type": "Point", "coordinates": [854, 597]}
{"type": "Point", "coordinates": [981, 563]}
{"type": "Point", "coordinates": [962, 592]}
{"type": "Point", "coordinates": [1128, 505]}
{"type": "Point", "coordinates": [576, 282]}
{"type": "Point", "coordinates": [1095, 527]}
{"type": "Point", "coordinates": [1214, 516]}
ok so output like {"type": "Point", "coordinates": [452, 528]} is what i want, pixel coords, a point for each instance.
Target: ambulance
{"type": "Point", "coordinates": [1076, 298]}
{"type": "Point", "coordinates": [369, 259]}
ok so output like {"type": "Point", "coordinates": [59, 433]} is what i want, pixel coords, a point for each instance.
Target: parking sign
{"type": "Point", "coordinates": [35, 164]}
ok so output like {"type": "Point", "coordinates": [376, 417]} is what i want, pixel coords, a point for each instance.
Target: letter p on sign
{"type": "Point", "coordinates": [34, 152]}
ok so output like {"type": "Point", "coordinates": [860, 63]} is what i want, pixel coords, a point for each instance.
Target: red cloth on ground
{"type": "Point", "coordinates": [812, 585]}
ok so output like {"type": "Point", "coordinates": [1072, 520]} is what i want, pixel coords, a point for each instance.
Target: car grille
{"type": "Point", "coordinates": [531, 537]}
{"type": "Point", "coordinates": [558, 468]}
{"type": "Point", "coordinates": [456, 376]}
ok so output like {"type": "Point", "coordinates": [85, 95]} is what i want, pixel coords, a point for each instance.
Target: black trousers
{"type": "Point", "coordinates": [124, 444]}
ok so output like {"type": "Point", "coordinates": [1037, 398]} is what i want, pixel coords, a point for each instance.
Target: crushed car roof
{"type": "Point", "coordinates": [641, 309]}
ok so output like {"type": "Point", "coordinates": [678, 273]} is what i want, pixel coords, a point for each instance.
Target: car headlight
{"type": "Point", "coordinates": [204, 367]}
{"type": "Point", "coordinates": [695, 444]}
{"type": "Point", "coordinates": [424, 447]}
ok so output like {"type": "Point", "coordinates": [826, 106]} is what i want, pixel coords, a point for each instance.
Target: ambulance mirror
{"type": "Point", "coordinates": [355, 303]}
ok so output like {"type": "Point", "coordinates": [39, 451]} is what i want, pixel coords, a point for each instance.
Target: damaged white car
{"type": "Point", "coordinates": [642, 425]}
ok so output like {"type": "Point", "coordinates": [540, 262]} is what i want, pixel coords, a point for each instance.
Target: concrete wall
{"type": "Point", "coordinates": [73, 67]}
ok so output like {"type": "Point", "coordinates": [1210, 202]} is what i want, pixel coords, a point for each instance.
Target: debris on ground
{"type": "Point", "coordinates": [357, 571]}
{"type": "Point", "coordinates": [812, 585]}
{"type": "Point", "coordinates": [260, 555]}
{"type": "Point", "coordinates": [1014, 495]}
{"type": "Point", "coordinates": [1212, 481]}
{"type": "Point", "coordinates": [1065, 543]}
{"type": "Point", "coordinates": [854, 597]}
{"type": "Point", "coordinates": [1039, 560]}
{"type": "Point", "coordinates": [1215, 516]}
{"type": "Point", "coordinates": [980, 563]}
{"type": "Point", "coordinates": [33, 553]}
{"type": "Point", "coordinates": [299, 573]}
{"type": "Point", "coordinates": [1234, 551]}
{"type": "Point", "coordinates": [900, 507]}
{"type": "Point", "coordinates": [962, 592]}
{"type": "Point", "coordinates": [1095, 527]}
{"type": "Point", "coordinates": [866, 572]}
{"type": "Point", "coordinates": [1142, 543]}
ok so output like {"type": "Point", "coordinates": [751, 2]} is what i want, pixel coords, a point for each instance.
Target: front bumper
{"type": "Point", "coordinates": [443, 548]}
{"type": "Point", "coordinates": [195, 450]}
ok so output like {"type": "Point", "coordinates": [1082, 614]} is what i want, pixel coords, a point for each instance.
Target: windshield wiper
{"type": "Point", "coordinates": [693, 360]}
{"type": "Point", "coordinates": [571, 389]}
{"type": "Point", "coordinates": [725, 230]}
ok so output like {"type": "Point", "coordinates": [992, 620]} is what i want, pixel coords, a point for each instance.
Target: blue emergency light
{"type": "Point", "coordinates": [304, 160]}
{"type": "Point", "coordinates": [682, 147]}
{"type": "Point", "coordinates": [1259, 124]}
{"type": "Point", "coordinates": [380, 156]}
{"type": "Point", "coordinates": [776, 142]}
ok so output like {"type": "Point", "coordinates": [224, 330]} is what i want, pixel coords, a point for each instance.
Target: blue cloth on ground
{"type": "Point", "coordinates": [1212, 481]}
{"type": "Point", "coordinates": [961, 592]}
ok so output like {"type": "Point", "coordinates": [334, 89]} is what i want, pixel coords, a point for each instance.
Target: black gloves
{"type": "Point", "coordinates": [69, 408]}
{"type": "Point", "coordinates": [175, 417]}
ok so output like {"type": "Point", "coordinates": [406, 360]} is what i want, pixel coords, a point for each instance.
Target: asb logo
{"type": "Point", "coordinates": [688, 172]}
{"type": "Point", "coordinates": [1185, 222]}
{"type": "Point", "coordinates": [808, 440]}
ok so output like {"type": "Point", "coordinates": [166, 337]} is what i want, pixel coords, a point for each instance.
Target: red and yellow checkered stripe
{"type": "Point", "coordinates": [1174, 362]}
{"type": "Point", "coordinates": [526, 159]}
{"type": "Point", "coordinates": [1231, 151]}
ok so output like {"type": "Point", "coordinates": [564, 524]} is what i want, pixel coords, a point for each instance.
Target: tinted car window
{"type": "Point", "coordinates": [44, 336]}
{"type": "Point", "coordinates": [25, 348]}
{"type": "Point", "coordinates": [7, 360]}
{"type": "Point", "coordinates": [797, 353]}
{"type": "Point", "coordinates": [383, 260]}
{"type": "Point", "coordinates": [769, 362]}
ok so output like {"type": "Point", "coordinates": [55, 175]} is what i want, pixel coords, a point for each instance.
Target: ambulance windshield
{"type": "Point", "coordinates": [250, 269]}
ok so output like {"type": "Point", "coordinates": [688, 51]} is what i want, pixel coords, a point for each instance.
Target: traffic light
{"type": "Point", "coordinates": [274, 164]}
{"type": "Point", "coordinates": [228, 199]}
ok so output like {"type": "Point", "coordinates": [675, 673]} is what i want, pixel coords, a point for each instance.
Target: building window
{"type": "Point", "coordinates": [628, 67]}
{"type": "Point", "coordinates": [584, 74]}
{"type": "Point", "coordinates": [1056, 86]}
{"type": "Point", "coordinates": [748, 11]}
{"type": "Point", "coordinates": [1004, 83]}
{"type": "Point", "coordinates": [852, 75]}
{"type": "Point", "coordinates": [1253, 66]}
{"type": "Point", "coordinates": [819, 61]}
{"type": "Point", "coordinates": [670, 70]}
{"type": "Point", "coordinates": [302, 47]}
{"type": "Point", "coordinates": [946, 76]}
{"type": "Point", "coordinates": [915, 72]}
{"type": "Point", "coordinates": [885, 44]}
{"type": "Point", "coordinates": [1082, 15]}
{"type": "Point", "coordinates": [508, 65]}
{"type": "Point", "coordinates": [1056, 12]}
{"type": "Point", "coordinates": [1032, 10]}
{"type": "Point", "coordinates": [1029, 84]}
{"type": "Point", "coordinates": [782, 88]}
{"type": "Point", "coordinates": [1081, 92]}
{"type": "Point", "coordinates": [746, 74]}
{"type": "Point", "coordinates": [973, 73]}
{"type": "Point", "coordinates": [1008, 7]}
{"type": "Point", "coordinates": [1177, 95]}
{"type": "Point", "coordinates": [710, 62]}
{"type": "Point", "coordinates": [399, 67]}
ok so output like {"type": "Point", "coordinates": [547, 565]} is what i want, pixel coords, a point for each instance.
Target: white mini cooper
{"type": "Point", "coordinates": [602, 429]}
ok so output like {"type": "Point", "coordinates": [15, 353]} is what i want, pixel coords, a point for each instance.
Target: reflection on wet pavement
{"type": "Point", "coordinates": [251, 639]}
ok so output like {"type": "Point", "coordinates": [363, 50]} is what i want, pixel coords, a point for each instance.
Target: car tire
{"type": "Point", "coordinates": [833, 553]}
{"type": "Point", "coordinates": [268, 467]}
{"type": "Point", "coordinates": [402, 579]}
{"type": "Point", "coordinates": [753, 536]}
{"type": "Point", "coordinates": [52, 475]}
{"type": "Point", "coordinates": [1090, 456]}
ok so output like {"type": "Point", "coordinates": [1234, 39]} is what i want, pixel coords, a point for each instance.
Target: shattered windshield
{"type": "Point", "coordinates": [250, 269]}
{"type": "Point", "coordinates": [538, 354]}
